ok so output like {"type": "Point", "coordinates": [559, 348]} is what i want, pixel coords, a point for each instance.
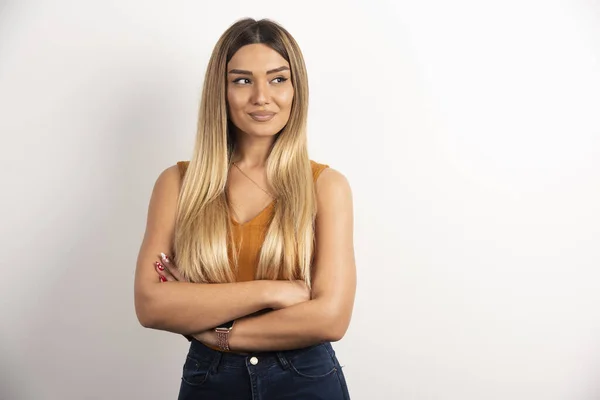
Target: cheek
{"type": "Point", "coordinates": [285, 98]}
{"type": "Point", "coordinates": [236, 100]}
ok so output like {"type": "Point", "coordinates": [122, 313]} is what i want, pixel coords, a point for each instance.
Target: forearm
{"type": "Point", "coordinates": [294, 327]}
{"type": "Point", "coordinates": [188, 308]}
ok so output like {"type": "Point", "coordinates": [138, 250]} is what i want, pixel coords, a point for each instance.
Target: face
{"type": "Point", "coordinates": [259, 90]}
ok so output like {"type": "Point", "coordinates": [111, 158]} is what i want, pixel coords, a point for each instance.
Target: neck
{"type": "Point", "coordinates": [252, 151]}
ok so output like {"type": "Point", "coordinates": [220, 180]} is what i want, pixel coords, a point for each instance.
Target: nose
{"type": "Point", "coordinates": [260, 95]}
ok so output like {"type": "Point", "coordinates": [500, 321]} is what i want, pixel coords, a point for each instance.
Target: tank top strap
{"type": "Point", "coordinates": [317, 169]}
{"type": "Point", "coordinates": [183, 166]}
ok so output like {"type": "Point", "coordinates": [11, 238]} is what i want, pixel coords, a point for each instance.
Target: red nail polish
{"type": "Point", "coordinates": [162, 278]}
{"type": "Point", "coordinates": [159, 266]}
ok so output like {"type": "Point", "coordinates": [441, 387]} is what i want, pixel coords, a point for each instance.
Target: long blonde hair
{"type": "Point", "coordinates": [203, 242]}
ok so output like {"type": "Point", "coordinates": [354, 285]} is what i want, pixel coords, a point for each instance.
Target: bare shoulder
{"type": "Point", "coordinates": [333, 191]}
{"type": "Point", "coordinates": [332, 183]}
{"type": "Point", "coordinates": [163, 202]}
{"type": "Point", "coordinates": [169, 178]}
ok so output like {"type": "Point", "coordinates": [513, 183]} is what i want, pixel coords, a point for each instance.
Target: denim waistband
{"type": "Point", "coordinates": [241, 360]}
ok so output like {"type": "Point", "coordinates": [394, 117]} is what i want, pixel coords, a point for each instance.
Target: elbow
{"type": "Point", "coordinates": [144, 319]}
{"type": "Point", "coordinates": [335, 325]}
{"type": "Point", "coordinates": [144, 310]}
{"type": "Point", "coordinates": [335, 333]}
{"type": "Point", "coordinates": [333, 337]}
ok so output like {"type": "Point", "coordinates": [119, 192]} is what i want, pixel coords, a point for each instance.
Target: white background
{"type": "Point", "coordinates": [469, 131]}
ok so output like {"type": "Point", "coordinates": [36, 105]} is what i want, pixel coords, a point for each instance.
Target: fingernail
{"type": "Point", "coordinates": [162, 278]}
{"type": "Point", "coordinates": [159, 266]}
{"type": "Point", "coordinates": [164, 257]}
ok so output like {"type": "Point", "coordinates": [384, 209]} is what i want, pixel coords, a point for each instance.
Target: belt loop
{"type": "Point", "coordinates": [214, 365]}
{"type": "Point", "coordinates": [283, 360]}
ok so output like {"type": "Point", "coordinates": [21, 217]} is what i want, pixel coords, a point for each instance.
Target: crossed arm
{"type": "Point", "coordinates": [190, 308]}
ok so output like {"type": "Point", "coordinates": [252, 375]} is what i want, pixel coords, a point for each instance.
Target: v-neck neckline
{"type": "Point", "coordinates": [253, 219]}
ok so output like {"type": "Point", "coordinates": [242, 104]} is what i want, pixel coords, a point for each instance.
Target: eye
{"type": "Point", "coordinates": [279, 79]}
{"type": "Point", "coordinates": [241, 81]}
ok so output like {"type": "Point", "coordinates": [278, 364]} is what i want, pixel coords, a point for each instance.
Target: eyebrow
{"type": "Point", "coordinates": [244, 72]}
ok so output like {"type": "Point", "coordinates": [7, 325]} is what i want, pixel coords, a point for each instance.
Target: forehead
{"type": "Point", "coordinates": [256, 58]}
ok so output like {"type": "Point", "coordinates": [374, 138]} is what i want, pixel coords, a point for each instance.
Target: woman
{"type": "Point", "coordinates": [255, 277]}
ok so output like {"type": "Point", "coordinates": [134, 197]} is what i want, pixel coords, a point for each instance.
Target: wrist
{"type": "Point", "coordinates": [222, 334]}
{"type": "Point", "coordinates": [234, 336]}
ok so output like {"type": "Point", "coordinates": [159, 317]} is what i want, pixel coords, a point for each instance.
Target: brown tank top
{"type": "Point", "coordinates": [251, 234]}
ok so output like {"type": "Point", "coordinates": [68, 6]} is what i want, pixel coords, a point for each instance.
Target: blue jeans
{"type": "Point", "coordinates": [305, 374]}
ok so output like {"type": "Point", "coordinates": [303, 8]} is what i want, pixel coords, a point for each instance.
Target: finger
{"type": "Point", "coordinates": [168, 262]}
{"type": "Point", "coordinates": [164, 274]}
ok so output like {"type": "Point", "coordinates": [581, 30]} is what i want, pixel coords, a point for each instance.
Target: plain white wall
{"type": "Point", "coordinates": [469, 131]}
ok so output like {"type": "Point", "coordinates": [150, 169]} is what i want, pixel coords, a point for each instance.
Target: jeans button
{"type": "Point", "coordinates": [254, 361]}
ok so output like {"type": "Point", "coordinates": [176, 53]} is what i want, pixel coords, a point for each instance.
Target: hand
{"type": "Point", "coordinates": [167, 270]}
{"type": "Point", "coordinates": [289, 293]}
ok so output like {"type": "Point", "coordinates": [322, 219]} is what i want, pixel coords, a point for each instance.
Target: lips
{"type": "Point", "coordinates": [262, 116]}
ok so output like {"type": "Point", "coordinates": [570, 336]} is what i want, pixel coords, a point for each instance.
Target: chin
{"type": "Point", "coordinates": [264, 130]}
